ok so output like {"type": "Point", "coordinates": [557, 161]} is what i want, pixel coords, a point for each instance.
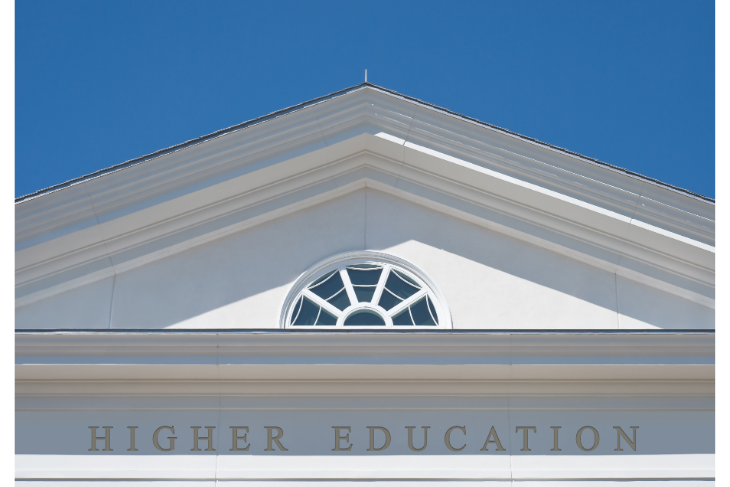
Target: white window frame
{"type": "Point", "coordinates": [388, 263]}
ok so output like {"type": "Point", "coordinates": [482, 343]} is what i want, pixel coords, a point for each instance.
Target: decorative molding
{"type": "Point", "coordinates": [435, 343]}
{"type": "Point", "coordinates": [458, 390]}
{"type": "Point", "coordinates": [292, 355]}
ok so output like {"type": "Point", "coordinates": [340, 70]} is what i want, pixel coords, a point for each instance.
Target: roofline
{"type": "Point", "coordinates": [285, 111]}
{"type": "Point", "coordinates": [186, 144]}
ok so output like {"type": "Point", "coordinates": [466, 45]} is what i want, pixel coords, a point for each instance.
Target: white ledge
{"type": "Point", "coordinates": [336, 356]}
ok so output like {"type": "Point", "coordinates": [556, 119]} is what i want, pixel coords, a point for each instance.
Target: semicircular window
{"type": "Point", "coordinates": [365, 290]}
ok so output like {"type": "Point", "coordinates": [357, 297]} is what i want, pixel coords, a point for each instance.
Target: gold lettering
{"type": "Point", "coordinates": [494, 439]}
{"type": "Point", "coordinates": [525, 431]}
{"type": "Point", "coordinates": [275, 439]}
{"type": "Point", "coordinates": [555, 438]}
{"type": "Point", "coordinates": [197, 438]}
{"type": "Point", "coordinates": [579, 438]}
{"type": "Point", "coordinates": [107, 438]}
{"type": "Point", "coordinates": [236, 438]}
{"type": "Point", "coordinates": [410, 437]}
{"type": "Point", "coordinates": [447, 438]}
{"type": "Point", "coordinates": [338, 438]}
{"type": "Point", "coordinates": [132, 430]}
{"type": "Point", "coordinates": [155, 438]}
{"type": "Point", "coordinates": [620, 433]}
{"type": "Point", "coordinates": [372, 438]}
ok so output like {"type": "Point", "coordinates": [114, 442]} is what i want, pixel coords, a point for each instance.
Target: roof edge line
{"type": "Point", "coordinates": [321, 99]}
{"type": "Point", "coordinates": [186, 144]}
{"type": "Point", "coordinates": [552, 147]}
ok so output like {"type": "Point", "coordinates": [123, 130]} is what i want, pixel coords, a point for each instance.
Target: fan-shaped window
{"type": "Point", "coordinates": [365, 290]}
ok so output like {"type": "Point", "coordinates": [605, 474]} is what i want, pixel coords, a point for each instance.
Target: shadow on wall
{"type": "Point", "coordinates": [490, 280]}
{"type": "Point", "coordinates": [518, 284]}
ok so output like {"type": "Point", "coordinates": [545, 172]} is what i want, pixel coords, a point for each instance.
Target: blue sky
{"type": "Point", "coordinates": [628, 82]}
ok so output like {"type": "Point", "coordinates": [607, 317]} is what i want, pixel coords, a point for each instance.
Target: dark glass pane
{"type": "Point", "coordinates": [307, 315]}
{"type": "Point", "coordinates": [341, 301]}
{"type": "Point", "coordinates": [420, 314]}
{"type": "Point", "coordinates": [407, 279]}
{"type": "Point", "coordinates": [387, 300]}
{"type": "Point", "coordinates": [398, 285]}
{"type": "Point", "coordinates": [326, 319]}
{"type": "Point", "coordinates": [328, 287]}
{"type": "Point", "coordinates": [402, 319]}
{"type": "Point", "coordinates": [364, 318]}
{"type": "Point", "coordinates": [364, 294]}
{"type": "Point", "coordinates": [433, 309]}
{"type": "Point", "coordinates": [322, 278]}
{"type": "Point", "coordinates": [367, 277]}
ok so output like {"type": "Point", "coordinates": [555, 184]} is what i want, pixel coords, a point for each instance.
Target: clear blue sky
{"type": "Point", "coordinates": [628, 82]}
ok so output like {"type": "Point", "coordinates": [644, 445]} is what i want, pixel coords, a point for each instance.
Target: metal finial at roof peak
{"type": "Point", "coordinates": [366, 75]}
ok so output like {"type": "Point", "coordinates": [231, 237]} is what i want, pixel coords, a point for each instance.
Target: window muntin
{"type": "Point", "coordinates": [421, 313]}
{"type": "Point", "coordinates": [364, 291]}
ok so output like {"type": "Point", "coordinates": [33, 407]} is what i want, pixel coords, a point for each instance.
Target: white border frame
{"type": "Point", "coordinates": [367, 257]}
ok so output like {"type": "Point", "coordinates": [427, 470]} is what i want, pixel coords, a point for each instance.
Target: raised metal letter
{"type": "Point", "coordinates": [132, 430]}
{"type": "Point", "coordinates": [525, 430]}
{"type": "Point", "coordinates": [372, 438]}
{"type": "Point", "coordinates": [579, 438]}
{"type": "Point", "coordinates": [410, 437]}
{"type": "Point", "coordinates": [620, 433]}
{"type": "Point", "coordinates": [236, 438]}
{"type": "Point", "coordinates": [155, 438]}
{"type": "Point", "coordinates": [555, 438]}
{"type": "Point", "coordinates": [274, 438]}
{"type": "Point", "coordinates": [447, 438]}
{"type": "Point", "coordinates": [197, 438]}
{"type": "Point", "coordinates": [494, 439]}
{"type": "Point", "coordinates": [338, 438]}
{"type": "Point", "coordinates": [107, 438]}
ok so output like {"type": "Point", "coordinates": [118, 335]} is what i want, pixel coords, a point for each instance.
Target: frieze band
{"type": "Point", "coordinates": [342, 443]}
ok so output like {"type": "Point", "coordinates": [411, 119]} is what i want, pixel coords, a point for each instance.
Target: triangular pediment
{"type": "Point", "coordinates": [304, 163]}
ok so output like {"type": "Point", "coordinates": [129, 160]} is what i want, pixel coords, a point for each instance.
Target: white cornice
{"type": "Point", "coordinates": [364, 356]}
{"type": "Point", "coordinates": [110, 224]}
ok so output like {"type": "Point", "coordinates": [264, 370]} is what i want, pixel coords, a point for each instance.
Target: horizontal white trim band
{"type": "Point", "coordinates": [344, 466]}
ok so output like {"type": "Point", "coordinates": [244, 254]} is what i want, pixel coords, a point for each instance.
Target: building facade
{"type": "Point", "coordinates": [364, 287]}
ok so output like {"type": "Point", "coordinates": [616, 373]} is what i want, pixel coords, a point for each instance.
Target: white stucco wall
{"type": "Point", "coordinates": [490, 280]}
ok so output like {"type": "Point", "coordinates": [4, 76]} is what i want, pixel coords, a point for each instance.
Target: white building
{"type": "Point", "coordinates": [364, 287]}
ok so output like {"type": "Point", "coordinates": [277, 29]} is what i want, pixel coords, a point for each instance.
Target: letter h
{"type": "Point", "coordinates": [197, 438]}
{"type": "Point", "coordinates": [107, 438]}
